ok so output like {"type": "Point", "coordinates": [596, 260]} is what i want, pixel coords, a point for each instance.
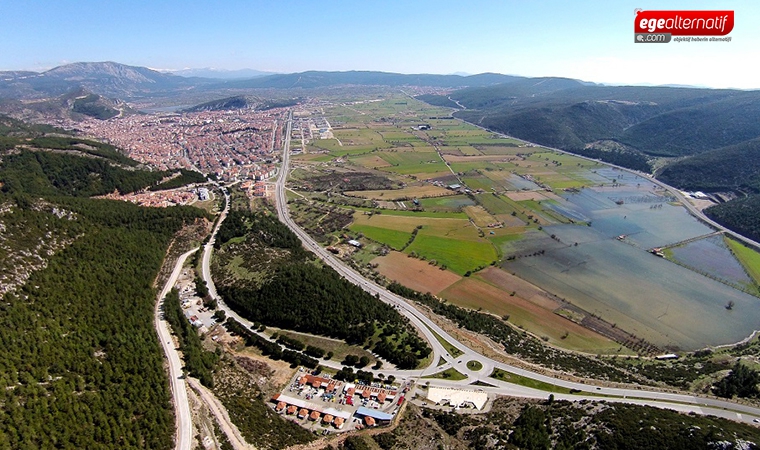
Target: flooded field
{"type": "Point", "coordinates": [712, 256]}
{"type": "Point", "coordinates": [606, 268]}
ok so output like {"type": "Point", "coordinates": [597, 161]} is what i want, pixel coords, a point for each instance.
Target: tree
{"type": "Point", "coordinates": [741, 382]}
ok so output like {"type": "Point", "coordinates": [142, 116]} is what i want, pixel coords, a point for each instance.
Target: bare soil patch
{"type": "Point", "coordinates": [414, 273]}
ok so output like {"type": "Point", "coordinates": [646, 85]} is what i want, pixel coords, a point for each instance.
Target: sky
{"type": "Point", "coordinates": [587, 40]}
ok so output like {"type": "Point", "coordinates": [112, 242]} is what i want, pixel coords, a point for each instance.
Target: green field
{"type": "Point", "coordinates": [497, 204]}
{"type": "Point", "coordinates": [392, 238]}
{"type": "Point", "coordinates": [459, 256]}
{"type": "Point", "coordinates": [748, 258]}
{"type": "Point", "coordinates": [476, 181]}
{"type": "Point", "coordinates": [382, 136]}
{"type": "Point", "coordinates": [428, 214]}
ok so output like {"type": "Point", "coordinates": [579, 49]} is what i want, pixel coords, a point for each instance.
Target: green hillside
{"type": "Point", "coordinates": [80, 364]}
{"type": "Point", "coordinates": [732, 168]}
{"type": "Point", "coordinates": [741, 215]}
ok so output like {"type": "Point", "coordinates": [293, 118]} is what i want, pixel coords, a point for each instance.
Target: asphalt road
{"type": "Point", "coordinates": [589, 391]}
{"type": "Point", "coordinates": [682, 402]}
{"type": "Point", "coordinates": [184, 437]}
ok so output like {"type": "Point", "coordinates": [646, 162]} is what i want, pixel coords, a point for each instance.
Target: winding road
{"type": "Point", "coordinates": [184, 435]}
{"type": "Point", "coordinates": [587, 391]}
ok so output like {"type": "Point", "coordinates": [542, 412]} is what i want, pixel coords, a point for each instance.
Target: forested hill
{"type": "Point", "coordinates": [80, 363]}
{"type": "Point", "coordinates": [732, 168]}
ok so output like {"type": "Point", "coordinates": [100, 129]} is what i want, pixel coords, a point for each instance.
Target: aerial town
{"type": "Point", "coordinates": [233, 145]}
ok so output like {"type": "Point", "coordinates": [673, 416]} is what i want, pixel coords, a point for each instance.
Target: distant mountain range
{"type": "Point", "coordinates": [121, 81]}
{"type": "Point", "coordinates": [109, 79]}
{"type": "Point", "coordinates": [710, 131]}
{"type": "Point", "coordinates": [316, 79]}
{"type": "Point", "coordinates": [221, 74]}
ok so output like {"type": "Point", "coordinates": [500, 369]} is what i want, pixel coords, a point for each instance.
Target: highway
{"type": "Point", "coordinates": [588, 391]}
{"type": "Point", "coordinates": [683, 402]}
{"type": "Point", "coordinates": [184, 437]}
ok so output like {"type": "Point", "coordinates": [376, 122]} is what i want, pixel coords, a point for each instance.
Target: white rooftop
{"type": "Point", "coordinates": [457, 397]}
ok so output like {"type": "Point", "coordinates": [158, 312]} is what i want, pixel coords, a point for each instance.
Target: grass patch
{"type": "Point", "coordinates": [339, 348]}
{"type": "Point", "coordinates": [474, 365]}
{"type": "Point", "coordinates": [452, 350]}
{"type": "Point", "coordinates": [503, 375]}
{"type": "Point", "coordinates": [448, 374]}
{"type": "Point", "coordinates": [749, 258]}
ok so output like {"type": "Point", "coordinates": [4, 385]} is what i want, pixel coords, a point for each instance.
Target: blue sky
{"type": "Point", "coordinates": [590, 40]}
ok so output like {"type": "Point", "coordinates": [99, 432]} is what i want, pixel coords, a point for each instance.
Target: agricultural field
{"type": "Point", "coordinates": [415, 273]}
{"type": "Point", "coordinates": [467, 204]}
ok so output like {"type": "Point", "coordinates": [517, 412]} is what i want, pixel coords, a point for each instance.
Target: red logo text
{"type": "Point", "coordinates": [685, 23]}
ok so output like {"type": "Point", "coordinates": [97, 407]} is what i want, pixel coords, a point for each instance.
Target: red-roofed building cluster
{"type": "Point", "coordinates": [234, 145]}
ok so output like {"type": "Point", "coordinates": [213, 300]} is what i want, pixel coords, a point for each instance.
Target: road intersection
{"type": "Point", "coordinates": [475, 379]}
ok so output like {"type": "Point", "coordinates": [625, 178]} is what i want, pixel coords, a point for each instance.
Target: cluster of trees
{"type": "Point", "coordinates": [302, 296]}
{"type": "Point", "coordinates": [295, 344]}
{"type": "Point", "coordinates": [742, 381]}
{"type": "Point", "coordinates": [724, 169]}
{"type": "Point", "coordinates": [315, 352]}
{"type": "Point", "coordinates": [347, 374]}
{"type": "Point", "coordinates": [268, 348]}
{"type": "Point", "coordinates": [199, 363]}
{"type": "Point", "coordinates": [81, 363]}
{"type": "Point", "coordinates": [185, 177]}
{"type": "Point", "coordinates": [291, 343]}
{"type": "Point", "coordinates": [353, 360]}
{"type": "Point", "coordinates": [311, 299]}
{"type": "Point", "coordinates": [47, 173]}
{"type": "Point", "coordinates": [261, 226]}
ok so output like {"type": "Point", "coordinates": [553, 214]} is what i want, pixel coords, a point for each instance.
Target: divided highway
{"type": "Point", "coordinates": [688, 403]}
{"type": "Point", "coordinates": [679, 402]}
